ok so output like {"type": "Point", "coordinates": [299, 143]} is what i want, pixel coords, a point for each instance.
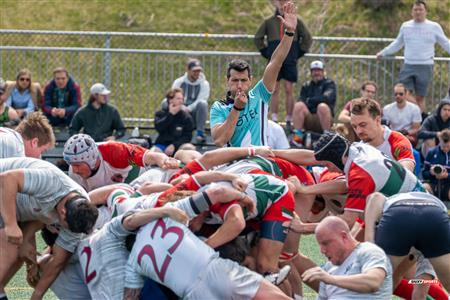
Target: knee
{"type": "Point", "coordinates": [323, 110]}
{"type": "Point", "coordinates": [300, 108]}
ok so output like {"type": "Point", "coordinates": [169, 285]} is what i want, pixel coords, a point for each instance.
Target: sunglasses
{"type": "Point", "coordinates": [25, 79]}
{"type": "Point", "coordinates": [398, 94]}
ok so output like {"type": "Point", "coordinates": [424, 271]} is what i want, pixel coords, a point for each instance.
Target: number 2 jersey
{"type": "Point", "coordinates": [168, 253]}
{"type": "Point", "coordinates": [368, 170]}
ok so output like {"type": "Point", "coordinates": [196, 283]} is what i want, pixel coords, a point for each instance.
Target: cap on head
{"type": "Point", "coordinates": [317, 64]}
{"type": "Point", "coordinates": [194, 64]}
{"type": "Point", "coordinates": [331, 147]}
{"type": "Point", "coordinates": [100, 89]}
{"type": "Point", "coordinates": [81, 148]}
{"type": "Point", "coordinates": [2, 86]}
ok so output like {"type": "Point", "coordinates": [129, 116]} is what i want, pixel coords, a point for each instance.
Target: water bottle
{"type": "Point", "coordinates": [135, 132]}
{"type": "Point", "coordinates": [308, 141]}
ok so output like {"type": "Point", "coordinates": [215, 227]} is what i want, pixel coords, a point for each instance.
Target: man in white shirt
{"type": "Point", "coordinates": [418, 36]}
{"type": "Point", "coordinates": [354, 270]}
{"type": "Point", "coordinates": [276, 137]}
{"type": "Point", "coordinates": [402, 115]}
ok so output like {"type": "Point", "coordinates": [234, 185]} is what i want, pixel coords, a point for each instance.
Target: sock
{"type": "Point", "coordinates": [404, 289]}
{"type": "Point", "coordinates": [274, 117]}
{"type": "Point", "coordinates": [200, 133]}
{"type": "Point", "coordinates": [288, 118]}
{"type": "Point", "coordinates": [3, 296]}
{"type": "Point", "coordinates": [298, 132]}
{"type": "Point", "coordinates": [437, 292]}
{"type": "Point", "coordinates": [297, 297]}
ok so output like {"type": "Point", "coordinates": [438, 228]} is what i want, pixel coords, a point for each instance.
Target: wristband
{"type": "Point", "coordinates": [251, 151]}
{"type": "Point", "coordinates": [238, 109]}
{"type": "Point", "coordinates": [288, 33]}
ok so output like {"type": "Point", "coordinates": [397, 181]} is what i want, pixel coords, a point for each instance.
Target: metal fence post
{"type": "Point", "coordinates": [107, 63]}
{"type": "Point", "coordinates": [322, 47]}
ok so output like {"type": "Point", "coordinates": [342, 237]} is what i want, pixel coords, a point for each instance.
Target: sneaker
{"type": "Point", "coordinates": [288, 127]}
{"type": "Point", "coordinates": [297, 141]}
{"type": "Point", "coordinates": [279, 277]}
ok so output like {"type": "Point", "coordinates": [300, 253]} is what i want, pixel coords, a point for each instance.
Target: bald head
{"type": "Point", "coordinates": [332, 224]}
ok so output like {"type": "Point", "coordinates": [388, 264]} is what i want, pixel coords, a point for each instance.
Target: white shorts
{"type": "Point", "coordinates": [225, 279]}
{"type": "Point", "coordinates": [70, 283]}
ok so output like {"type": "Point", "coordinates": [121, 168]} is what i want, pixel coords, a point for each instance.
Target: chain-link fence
{"type": "Point", "coordinates": [139, 78]}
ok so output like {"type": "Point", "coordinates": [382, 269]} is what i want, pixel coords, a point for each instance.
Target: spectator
{"type": "Point", "coordinates": [366, 121]}
{"type": "Point", "coordinates": [23, 94]}
{"type": "Point", "coordinates": [276, 138]}
{"type": "Point", "coordinates": [437, 166]}
{"type": "Point", "coordinates": [315, 109]}
{"type": "Point", "coordinates": [354, 270]}
{"type": "Point", "coordinates": [8, 115]}
{"type": "Point", "coordinates": [403, 116]}
{"type": "Point", "coordinates": [62, 98]}
{"type": "Point", "coordinates": [241, 118]}
{"type": "Point", "coordinates": [272, 30]}
{"type": "Point", "coordinates": [196, 93]}
{"type": "Point", "coordinates": [97, 118]}
{"type": "Point", "coordinates": [368, 90]}
{"type": "Point", "coordinates": [433, 124]}
{"type": "Point", "coordinates": [32, 137]}
{"type": "Point", "coordinates": [174, 124]}
{"type": "Point", "coordinates": [418, 36]}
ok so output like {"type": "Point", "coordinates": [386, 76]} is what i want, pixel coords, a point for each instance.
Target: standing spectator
{"type": "Point", "coordinates": [403, 116]}
{"type": "Point", "coordinates": [241, 118]}
{"type": "Point", "coordinates": [8, 116]}
{"type": "Point", "coordinates": [196, 93]}
{"type": "Point", "coordinates": [437, 166]}
{"type": "Point", "coordinates": [418, 36]}
{"type": "Point", "coordinates": [433, 124]}
{"type": "Point", "coordinates": [174, 124]}
{"type": "Point", "coordinates": [23, 94]}
{"type": "Point", "coordinates": [368, 90]}
{"type": "Point", "coordinates": [315, 109]}
{"type": "Point", "coordinates": [276, 137]}
{"type": "Point", "coordinates": [272, 30]}
{"type": "Point", "coordinates": [62, 98]}
{"type": "Point", "coordinates": [354, 270]}
{"type": "Point", "coordinates": [97, 118]}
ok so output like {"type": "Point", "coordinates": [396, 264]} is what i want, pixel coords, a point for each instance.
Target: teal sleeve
{"type": "Point", "coordinates": [261, 90]}
{"type": "Point", "coordinates": [218, 114]}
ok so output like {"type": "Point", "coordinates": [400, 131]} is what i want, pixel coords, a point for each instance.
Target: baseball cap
{"type": "Point", "coordinates": [194, 64]}
{"type": "Point", "coordinates": [100, 89]}
{"type": "Point", "coordinates": [2, 86]}
{"type": "Point", "coordinates": [317, 64]}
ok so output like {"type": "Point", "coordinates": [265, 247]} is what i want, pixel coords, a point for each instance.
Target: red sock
{"type": "Point", "coordinates": [404, 290]}
{"type": "Point", "coordinates": [437, 292]}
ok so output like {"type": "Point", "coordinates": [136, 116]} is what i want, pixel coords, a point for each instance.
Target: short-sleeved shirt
{"type": "Point", "coordinates": [403, 118]}
{"type": "Point", "coordinates": [366, 256]}
{"type": "Point", "coordinates": [251, 128]}
{"type": "Point", "coordinates": [164, 247]}
{"type": "Point", "coordinates": [367, 170]}
{"type": "Point", "coordinates": [120, 162]}
{"type": "Point", "coordinates": [11, 143]}
{"type": "Point", "coordinates": [102, 257]}
{"type": "Point", "coordinates": [44, 186]}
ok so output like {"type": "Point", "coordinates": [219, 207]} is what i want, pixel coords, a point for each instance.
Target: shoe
{"type": "Point", "coordinates": [279, 277]}
{"type": "Point", "coordinates": [297, 141]}
{"type": "Point", "coordinates": [288, 127]}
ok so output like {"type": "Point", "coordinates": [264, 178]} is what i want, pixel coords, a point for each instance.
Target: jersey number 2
{"type": "Point", "coordinates": [91, 275]}
{"type": "Point", "coordinates": [148, 249]}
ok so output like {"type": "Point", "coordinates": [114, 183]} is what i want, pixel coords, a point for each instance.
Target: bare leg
{"type": "Point", "coordinates": [268, 253]}
{"type": "Point", "coordinates": [274, 100]}
{"type": "Point", "coordinates": [420, 100]}
{"type": "Point", "coordinates": [303, 263]}
{"type": "Point", "coordinates": [294, 278]}
{"type": "Point", "coordinates": [420, 291]}
{"type": "Point", "coordinates": [289, 88]}
{"type": "Point", "coordinates": [299, 115]}
{"type": "Point", "coordinates": [324, 114]}
{"type": "Point", "coordinates": [441, 265]}
{"type": "Point", "coordinates": [9, 260]}
{"type": "Point", "coordinates": [268, 291]}
{"type": "Point", "coordinates": [398, 268]}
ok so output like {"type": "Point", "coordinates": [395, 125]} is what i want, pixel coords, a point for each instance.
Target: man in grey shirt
{"type": "Point", "coordinates": [36, 192]}
{"type": "Point", "coordinates": [354, 270]}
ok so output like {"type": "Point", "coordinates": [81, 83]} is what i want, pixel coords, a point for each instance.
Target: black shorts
{"type": "Point", "coordinates": [427, 228]}
{"type": "Point", "coordinates": [288, 72]}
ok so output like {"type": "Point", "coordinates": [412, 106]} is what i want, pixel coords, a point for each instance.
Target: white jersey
{"type": "Point", "coordinates": [102, 257]}
{"type": "Point", "coordinates": [154, 174]}
{"type": "Point", "coordinates": [11, 143]}
{"type": "Point", "coordinates": [412, 199]}
{"type": "Point", "coordinates": [170, 254]}
{"type": "Point", "coordinates": [365, 256]}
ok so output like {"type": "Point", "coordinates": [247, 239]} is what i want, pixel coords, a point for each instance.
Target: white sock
{"type": "Point", "coordinates": [288, 118]}
{"type": "Point", "coordinates": [298, 297]}
{"type": "Point", "coordinates": [274, 117]}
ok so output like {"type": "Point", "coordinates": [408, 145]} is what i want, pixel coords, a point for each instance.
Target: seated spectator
{"type": "Point", "coordinates": [354, 270]}
{"type": "Point", "coordinates": [433, 124]}
{"type": "Point", "coordinates": [369, 91]}
{"type": "Point", "coordinates": [276, 137]}
{"type": "Point", "coordinates": [315, 109]}
{"type": "Point", "coordinates": [97, 118]}
{"type": "Point", "coordinates": [402, 115]}
{"type": "Point", "coordinates": [62, 98]}
{"type": "Point", "coordinates": [8, 116]}
{"type": "Point", "coordinates": [196, 93]}
{"type": "Point", "coordinates": [23, 95]}
{"type": "Point", "coordinates": [437, 166]}
{"type": "Point", "coordinates": [174, 124]}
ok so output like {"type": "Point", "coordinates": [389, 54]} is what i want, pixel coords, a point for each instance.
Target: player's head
{"type": "Point", "coordinates": [37, 134]}
{"type": "Point", "coordinates": [239, 77]}
{"type": "Point", "coordinates": [332, 148]}
{"type": "Point", "coordinates": [82, 154]}
{"type": "Point", "coordinates": [236, 250]}
{"type": "Point", "coordinates": [79, 214]}
{"type": "Point", "coordinates": [365, 118]}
